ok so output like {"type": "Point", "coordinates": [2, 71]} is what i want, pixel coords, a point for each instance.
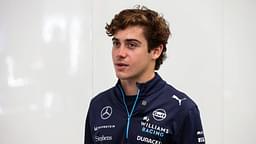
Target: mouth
{"type": "Point", "coordinates": [121, 66]}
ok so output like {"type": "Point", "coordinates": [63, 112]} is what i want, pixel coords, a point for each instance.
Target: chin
{"type": "Point", "coordinates": [122, 76]}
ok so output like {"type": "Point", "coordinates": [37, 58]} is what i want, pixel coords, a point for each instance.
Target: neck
{"type": "Point", "coordinates": [130, 86]}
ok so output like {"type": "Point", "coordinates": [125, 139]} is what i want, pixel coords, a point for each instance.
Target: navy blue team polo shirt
{"type": "Point", "coordinates": [160, 114]}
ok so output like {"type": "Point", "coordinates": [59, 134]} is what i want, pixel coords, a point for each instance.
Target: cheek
{"type": "Point", "coordinates": [138, 59]}
{"type": "Point", "coordinates": [113, 54]}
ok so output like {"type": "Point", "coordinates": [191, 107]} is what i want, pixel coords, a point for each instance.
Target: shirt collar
{"type": "Point", "coordinates": [150, 86]}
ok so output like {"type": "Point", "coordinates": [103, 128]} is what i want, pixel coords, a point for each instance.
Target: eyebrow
{"type": "Point", "coordinates": [127, 40]}
{"type": "Point", "coordinates": [115, 39]}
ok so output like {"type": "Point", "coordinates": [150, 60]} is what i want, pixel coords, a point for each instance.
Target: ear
{"type": "Point", "coordinates": [156, 52]}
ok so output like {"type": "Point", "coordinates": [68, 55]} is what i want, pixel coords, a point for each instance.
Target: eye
{"type": "Point", "coordinates": [132, 45]}
{"type": "Point", "coordinates": [116, 43]}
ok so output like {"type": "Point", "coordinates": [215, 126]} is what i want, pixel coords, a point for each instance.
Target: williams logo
{"type": "Point", "coordinates": [153, 129]}
{"type": "Point", "coordinates": [159, 114]}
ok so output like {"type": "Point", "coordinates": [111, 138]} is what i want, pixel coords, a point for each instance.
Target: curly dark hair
{"type": "Point", "coordinates": [156, 29]}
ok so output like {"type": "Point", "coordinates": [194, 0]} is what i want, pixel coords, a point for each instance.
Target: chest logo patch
{"type": "Point", "coordinates": [159, 114]}
{"type": "Point", "coordinates": [106, 112]}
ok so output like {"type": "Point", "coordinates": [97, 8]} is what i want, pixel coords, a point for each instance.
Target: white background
{"type": "Point", "coordinates": [55, 56]}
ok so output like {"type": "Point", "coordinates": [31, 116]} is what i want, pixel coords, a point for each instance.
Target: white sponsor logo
{"type": "Point", "coordinates": [159, 114]}
{"type": "Point", "coordinates": [152, 132]}
{"type": "Point", "coordinates": [200, 135]}
{"type": "Point", "coordinates": [154, 127]}
{"type": "Point", "coordinates": [104, 127]}
{"type": "Point", "coordinates": [106, 112]}
{"type": "Point", "coordinates": [178, 99]}
{"type": "Point", "coordinates": [103, 138]}
{"type": "Point", "coordinates": [148, 140]}
{"type": "Point", "coordinates": [201, 139]}
{"type": "Point", "coordinates": [146, 118]}
{"type": "Point", "coordinates": [199, 132]}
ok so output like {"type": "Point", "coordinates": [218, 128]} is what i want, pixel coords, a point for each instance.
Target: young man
{"type": "Point", "coordinates": [141, 108]}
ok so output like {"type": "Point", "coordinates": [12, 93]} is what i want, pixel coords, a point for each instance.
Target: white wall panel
{"type": "Point", "coordinates": [239, 72]}
{"type": "Point", "coordinates": [45, 70]}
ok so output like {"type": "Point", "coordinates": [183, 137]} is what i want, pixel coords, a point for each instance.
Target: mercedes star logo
{"type": "Point", "coordinates": [106, 112]}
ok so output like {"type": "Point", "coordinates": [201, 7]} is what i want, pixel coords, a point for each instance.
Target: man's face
{"type": "Point", "coordinates": [130, 55]}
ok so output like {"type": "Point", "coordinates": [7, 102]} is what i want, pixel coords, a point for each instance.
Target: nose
{"type": "Point", "coordinates": [121, 52]}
